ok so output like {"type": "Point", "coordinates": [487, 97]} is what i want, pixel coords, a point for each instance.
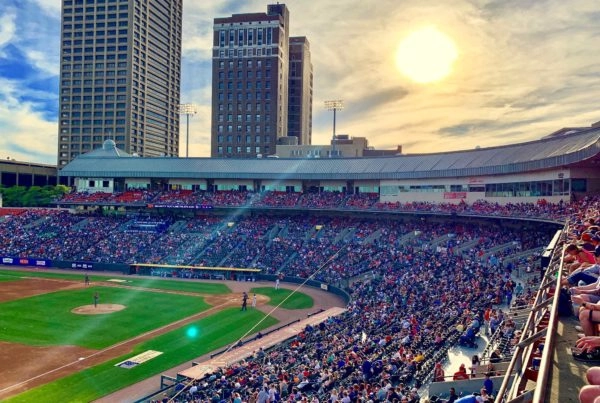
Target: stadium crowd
{"type": "Point", "coordinates": [580, 295]}
{"type": "Point", "coordinates": [380, 348]}
{"type": "Point", "coordinates": [425, 277]}
{"type": "Point", "coordinates": [291, 245]}
{"type": "Point", "coordinates": [402, 319]}
{"type": "Point", "coordinates": [318, 200]}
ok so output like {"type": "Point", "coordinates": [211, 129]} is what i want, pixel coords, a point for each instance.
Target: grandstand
{"type": "Point", "coordinates": [549, 170]}
{"type": "Point", "coordinates": [423, 244]}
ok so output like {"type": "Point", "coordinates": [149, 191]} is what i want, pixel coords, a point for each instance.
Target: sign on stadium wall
{"type": "Point", "coordinates": [23, 261]}
{"type": "Point", "coordinates": [82, 265]}
{"type": "Point", "coordinates": [455, 195]}
{"type": "Point", "coordinates": [182, 206]}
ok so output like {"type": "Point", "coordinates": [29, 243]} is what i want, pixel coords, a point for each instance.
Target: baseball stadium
{"type": "Point", "coordinates": [410, 278]}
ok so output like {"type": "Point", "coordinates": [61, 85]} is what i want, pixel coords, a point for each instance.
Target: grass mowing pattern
{"type": "Point", "coordinates": [4, 277]}
{"type": "Point", "coordinates": [214, 332]}
{"type": "Point", "coordinates": [132, 281]}
{"type": "Point", "coordinates": [296, 301]}
{"type": "Point", "coordinates": [46, 319]}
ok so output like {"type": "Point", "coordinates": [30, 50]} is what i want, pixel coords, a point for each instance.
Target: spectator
{"type": "Point", "coordinates": [488, 384]}
{"type": "Point", "coordinates": [461, 374]}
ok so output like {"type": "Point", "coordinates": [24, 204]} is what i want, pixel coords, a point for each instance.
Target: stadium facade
{"type": "Point", "coordinates": [120, 75]}
{"type": "Point", "coordinates": [250, 83]}
{"type": "Point", "coordinates": [551, 169]}
{"type": "Point", "coordinates": [21, 173]}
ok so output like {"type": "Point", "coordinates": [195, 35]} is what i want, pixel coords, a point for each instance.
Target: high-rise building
{"type": "Point", "coordinates": [300, 91]}
{"type": "Point", "coordinates": [120, 75]}
{"type": "Point", "coordinates": [250, 82]}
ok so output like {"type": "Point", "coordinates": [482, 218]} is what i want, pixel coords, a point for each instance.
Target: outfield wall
{"type": "Point", "coordinates": [311, 283]}
{"type": "Point", "coordinates": [63, 264]}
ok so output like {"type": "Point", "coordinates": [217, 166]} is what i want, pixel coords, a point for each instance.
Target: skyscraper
{"type": "Point", "coordinates": [300, 91]}
{"type": "Point", "coordinates": [250, 82]}
{"type": "Point", "coordinates": [120, 75]}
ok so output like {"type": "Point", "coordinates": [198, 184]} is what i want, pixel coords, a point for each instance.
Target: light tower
{"type": "Point", "coordinates": [334, 105]}
{"type": "Point", "coordinates": [187, 110]}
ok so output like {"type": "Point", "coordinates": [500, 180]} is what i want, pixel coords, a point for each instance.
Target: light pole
{"type": "Point", "coordinates": [187, 110]}
{"type": "Point", "coordinates": [334, 105]}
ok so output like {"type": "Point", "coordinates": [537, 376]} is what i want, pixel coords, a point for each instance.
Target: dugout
{"type": "Point", "coordinates": [194, 272]}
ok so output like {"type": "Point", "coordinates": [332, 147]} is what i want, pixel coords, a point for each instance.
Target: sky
{"type": "Point", "coordinates": [523, 69]}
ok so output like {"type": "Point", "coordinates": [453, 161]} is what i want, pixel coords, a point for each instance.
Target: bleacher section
{"type": "Point", "coordinates": [402, 318]}
{"type": "Point", "coordinates": [309, 200]}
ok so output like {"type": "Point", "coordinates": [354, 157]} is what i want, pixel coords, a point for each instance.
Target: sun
{"type": "Point", "coordinates": [426, 55]}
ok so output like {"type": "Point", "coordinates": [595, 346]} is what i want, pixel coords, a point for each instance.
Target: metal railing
{"type": "Point", "coordinates": [541, 324]}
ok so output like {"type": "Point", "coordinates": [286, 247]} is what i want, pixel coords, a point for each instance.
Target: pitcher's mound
{"type": "Point", "coordinates": [97, 310]}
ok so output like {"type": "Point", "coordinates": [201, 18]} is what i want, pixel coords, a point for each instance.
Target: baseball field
{"type": "Point", "coordinates": [64, 340]}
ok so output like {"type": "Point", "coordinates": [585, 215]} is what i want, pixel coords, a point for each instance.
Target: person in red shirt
{"type": "Point", "coordinates": [461, 374]}
{"type": "Point", "coordinates": [438, 373]}
{"type": "Point", "coordinates": [576, 257]}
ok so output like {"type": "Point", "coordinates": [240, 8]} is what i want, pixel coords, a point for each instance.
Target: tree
{"type": "Point", "coordinates": [34, 196]}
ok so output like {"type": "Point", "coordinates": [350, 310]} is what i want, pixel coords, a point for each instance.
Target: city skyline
{"type": "Point", "coordinates": [523, 70]}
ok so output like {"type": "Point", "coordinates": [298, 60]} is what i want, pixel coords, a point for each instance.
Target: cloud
{"type": "Point", "coordinates": [376, 100]}
{"type": "Point", "coordinates": [26, 134]}
{"type": "Point", "coordinates": [525, 69]}
{"type": "Point", "coordinates": [7, 28]}
{"type": "Point", "coordinates": [51, 7]}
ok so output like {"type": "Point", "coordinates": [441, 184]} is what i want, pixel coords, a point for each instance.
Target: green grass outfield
{"type": "Point", "coordinates": [177, 346]}
{"type": "Point", "coordinates": [46, 319]}
{"type": "Point", "coordinates": [296, 300]}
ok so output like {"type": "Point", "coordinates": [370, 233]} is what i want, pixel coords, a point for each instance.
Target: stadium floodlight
{"type": "Point", "coordinates": [334, 105]}
{"type": "Point", "coordinates": [187, 110]}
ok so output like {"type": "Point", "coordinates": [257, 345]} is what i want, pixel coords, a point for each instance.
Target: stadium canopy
{"type": "Point", "coordinates": [547, 153]}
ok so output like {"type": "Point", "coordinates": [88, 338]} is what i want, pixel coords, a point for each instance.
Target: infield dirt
{"type": "Point", "coordinates": [25, 367]}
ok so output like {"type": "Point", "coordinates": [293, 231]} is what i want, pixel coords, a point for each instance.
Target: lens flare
{"type": "Point", "coordinates": [192, 332]}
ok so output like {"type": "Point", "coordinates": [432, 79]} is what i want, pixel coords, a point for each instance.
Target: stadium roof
{"type": "Point", "coordinates": [547, 153]}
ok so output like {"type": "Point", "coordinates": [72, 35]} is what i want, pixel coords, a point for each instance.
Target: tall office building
{"type": "Point", "coordinates": [250, 82]}
{"type": "Point", "coordinates": [120, 75]}
{"type": "Point", "coordinates": [300, 91]}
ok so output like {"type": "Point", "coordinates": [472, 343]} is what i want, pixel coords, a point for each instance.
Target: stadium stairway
{"type": "Point", "coordinates": [465, 246]}
{"type": "Point", "coordinates": [438, 241]}
{"type": "Point", "coordinates": [345, 233]}
{"type": "Point", "coordinates": [292, 257]}
{"type": "Point", "coordinates": [407, 237]}
{"type": "Point", "coordinates": [499, 248]}
{"type": "Point", "coordinates": [372, 238]}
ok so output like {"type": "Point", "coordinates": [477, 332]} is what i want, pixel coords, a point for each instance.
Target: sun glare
{"type": "Point", "coordinates": [426, 55]}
